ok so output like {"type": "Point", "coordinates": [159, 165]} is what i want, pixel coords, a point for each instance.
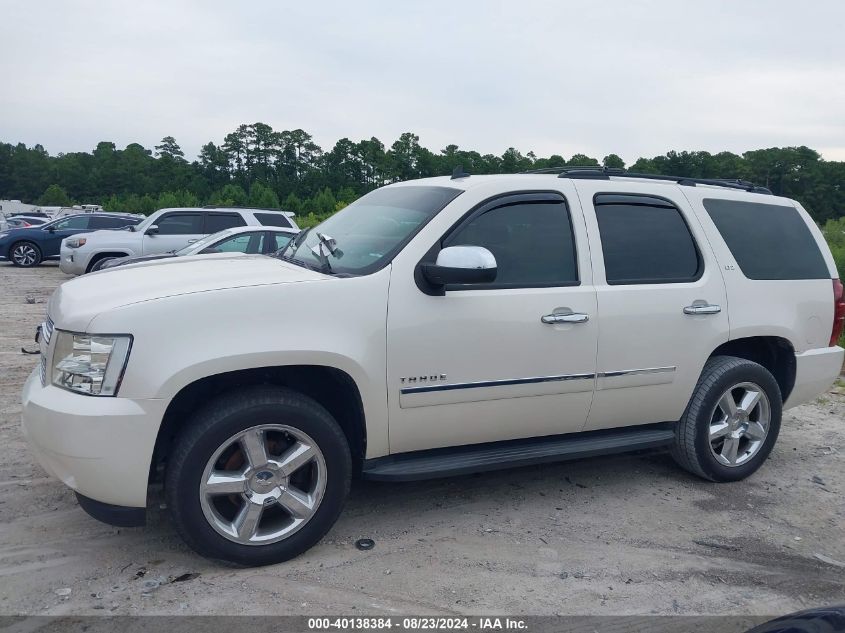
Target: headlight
{"type": "Point", "coordinates": [4, 234]}
{"type": "Point", "coordinates": [75, 242]}
{"type": "Point", "coordinates": [90, 364]}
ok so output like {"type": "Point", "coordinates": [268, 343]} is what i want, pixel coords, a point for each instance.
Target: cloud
{"type": "Point", "coordinates": [553, 77]}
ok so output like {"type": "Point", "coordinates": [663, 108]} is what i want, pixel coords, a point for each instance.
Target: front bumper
{"type": "Point", "coordinates": [70, 261]}
{"type": "Point", "coordinates": [815, 371]}
{"type": "Point", "coordinates": [100, 447]}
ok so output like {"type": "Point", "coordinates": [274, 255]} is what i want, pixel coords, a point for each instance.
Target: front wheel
{"type": "Point", "coordinates": [258, 476]}
{"type": "Point", "coordinates": [732, 421]}
{"type": "Point", "coordinates": [25, 254]}
{"type": "Point", "coordinates": [98, 265]}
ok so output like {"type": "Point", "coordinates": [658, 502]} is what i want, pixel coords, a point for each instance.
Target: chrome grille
{"type": "Point", "coordinates": [47, 330]}
{"type": "Point", "coordinates": [46, 334]}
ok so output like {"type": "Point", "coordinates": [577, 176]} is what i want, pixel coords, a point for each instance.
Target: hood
{"type": "Point", "coordinates": [21, 231]}
{"type": "Point", "coordinates": [79, 300]}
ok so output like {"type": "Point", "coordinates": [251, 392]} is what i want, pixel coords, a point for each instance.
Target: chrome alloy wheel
{"type": "Point", "coordinates": [24, 255]}
{"type": "Point", "coordinates": [739, 424]}
{"type": "Point", "coordinates": [263, 484]}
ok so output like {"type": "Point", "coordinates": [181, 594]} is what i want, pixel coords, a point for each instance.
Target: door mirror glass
{"type": "Point", "coordinates": [461, 265]}
{"type": "Point", "coordinates": [151, 230]}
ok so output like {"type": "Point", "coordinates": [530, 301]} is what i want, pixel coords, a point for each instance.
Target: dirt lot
{"type": "Point", "coordinates": [618, 535]}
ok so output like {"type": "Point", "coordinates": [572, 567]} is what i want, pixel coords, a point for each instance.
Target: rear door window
{"type": "Point", "coordinates": [273, 219]}
{"type": "Point", "coordinates": [768, 241]}
{"type": "Point", "coordinates": [218, 221]}
{"type": "Point", "coordinates": [250, 243]}
{"type": "Point", "coordinates": [645, 240]}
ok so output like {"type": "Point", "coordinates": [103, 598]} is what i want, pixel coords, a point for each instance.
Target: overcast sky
{"type": "Point", "coordinates": [633, 78]}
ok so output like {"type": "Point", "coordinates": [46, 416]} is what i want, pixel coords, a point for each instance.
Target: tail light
{"type": "Point", "coordinates": [838, 312]}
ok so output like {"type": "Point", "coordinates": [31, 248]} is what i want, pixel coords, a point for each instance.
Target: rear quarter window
{"type": "Point", "coordinates": [768, 241]}
{"type": "Point", "coordinates": [273, 219]}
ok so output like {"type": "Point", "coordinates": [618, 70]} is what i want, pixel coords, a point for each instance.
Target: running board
{"type": "Point", "coordinates": [447, 462]}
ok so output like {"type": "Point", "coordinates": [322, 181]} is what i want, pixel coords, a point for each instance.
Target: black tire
{"type": "Point", "coordinates": [692, 446]}
{"type": "Point", "coordinates": [211, 427]}
{"type": "Point", "coordinates": [28, 261]}
{"type": "Point", "coordinates": [98, 264]}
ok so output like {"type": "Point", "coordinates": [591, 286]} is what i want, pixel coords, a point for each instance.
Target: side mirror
{"type": "Point", "coordinates": [51, 229]}
{"type": "Point", "coordinates": [151, 230]}
{"type": "Point", "coordinates": [461, 265]}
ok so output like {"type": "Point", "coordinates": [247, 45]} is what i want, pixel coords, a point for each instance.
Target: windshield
{"type": "Point", "coordinates": [143, 224]}
{"type": "Point", "coordinates": [371, 230]}
{"type": "Point", "coordinates": [195, 247]}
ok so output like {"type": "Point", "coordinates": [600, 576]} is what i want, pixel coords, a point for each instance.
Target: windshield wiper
{"type": "Point", "coordinates": [330, 244]}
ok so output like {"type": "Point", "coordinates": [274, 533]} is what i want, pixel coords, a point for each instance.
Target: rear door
{"type": "Point", "coordinates": [176, 229]}
{"type": "Point", "coordinates": [661, 301]}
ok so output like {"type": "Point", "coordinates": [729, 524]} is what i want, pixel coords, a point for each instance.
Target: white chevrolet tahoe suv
{"type": "Point", "coordinates": [164, 231]}
{"type": "Point", "coordinates": [436, 327]}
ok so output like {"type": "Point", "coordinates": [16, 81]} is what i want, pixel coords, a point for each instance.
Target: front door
{"type": "Point", "coordinates": [59, 230]}
{"type": "Point", "coordinates": [175, 230]}
{"type": "Point", "coordinates": [510, 359]}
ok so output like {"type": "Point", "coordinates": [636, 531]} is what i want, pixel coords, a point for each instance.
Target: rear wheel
{"type": "Point", "coordinates": [732, 422]}
{"type": "Point", "coordinates": [25, 254]}
{"type": "Point", "coordinates": [258, 477]}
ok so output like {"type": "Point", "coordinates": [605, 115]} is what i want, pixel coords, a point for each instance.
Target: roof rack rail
{"type": "Point", "coordinates": [248, 208]}
{"type": "Point", "coordinates": [593, 172]}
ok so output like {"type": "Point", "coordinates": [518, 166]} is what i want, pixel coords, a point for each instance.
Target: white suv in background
{"type": "Point", "coordinates": [436, 327]}
{"type": "Point", "coordinates": [163, 231]}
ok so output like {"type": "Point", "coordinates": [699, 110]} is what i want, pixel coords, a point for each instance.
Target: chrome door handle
{"type": "Point", "coordinates": [703, 308]}
{"type": "Point", "coordinates": [192, 241]}
{"type": "Point", "coordinates": [572, 317]}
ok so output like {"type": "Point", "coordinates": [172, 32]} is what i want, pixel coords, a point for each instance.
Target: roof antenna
{"type": "Point", "coordinates": [459, 172]}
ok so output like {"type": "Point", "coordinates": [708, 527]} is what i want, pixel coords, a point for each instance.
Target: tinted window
{"type": "Point", "coordinates": [645, 240]}
{"type": "Point", "coordinates": [102, 222]}
{"type": "Point", "coordinates": [272, 219]}
{"type": "Point", "coordinates": [73, 222]}
{"type": "Point", "coordinates": [180, 224]}
{"type": "Point", "coordinates": [768, 241]}
{"type": "Point", "coordinates": [218, 221]}
{"type": "Point", "coordinates": [531, 241]}
{"type": "Point", "coordinates": [240, 243]}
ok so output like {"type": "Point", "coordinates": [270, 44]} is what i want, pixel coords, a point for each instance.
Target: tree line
{"type": "Point", "coordinates": [257, 166]}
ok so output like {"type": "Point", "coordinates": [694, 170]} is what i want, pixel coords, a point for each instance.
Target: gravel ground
{"type": "Point", "coordinates": [618, 535]}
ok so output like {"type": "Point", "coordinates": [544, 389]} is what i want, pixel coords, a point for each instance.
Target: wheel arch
{"type": "Point", "coordinates": [102, 255]}
{"type": "Point", "coordinates": [24, 240]}
{"type": "Point", "coordinates": [774, 353]}
{"type": "Point", "coordinates": [333, 388]}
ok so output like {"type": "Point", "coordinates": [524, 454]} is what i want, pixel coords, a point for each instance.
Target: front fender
{"type": "Point", "coordinates": [338, 323]}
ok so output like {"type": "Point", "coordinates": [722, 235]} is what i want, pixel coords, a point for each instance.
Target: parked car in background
{"type": "Point", "coordinates": [164, 231]}
{"type": "Point", "coordinates": [251, 240]}
{"type": "Point", "coordinates": [29, 246]}
{"type": "Point", "coordinates": [25, 221]}
{"type": "Point", "coordinates": [436, 327]}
